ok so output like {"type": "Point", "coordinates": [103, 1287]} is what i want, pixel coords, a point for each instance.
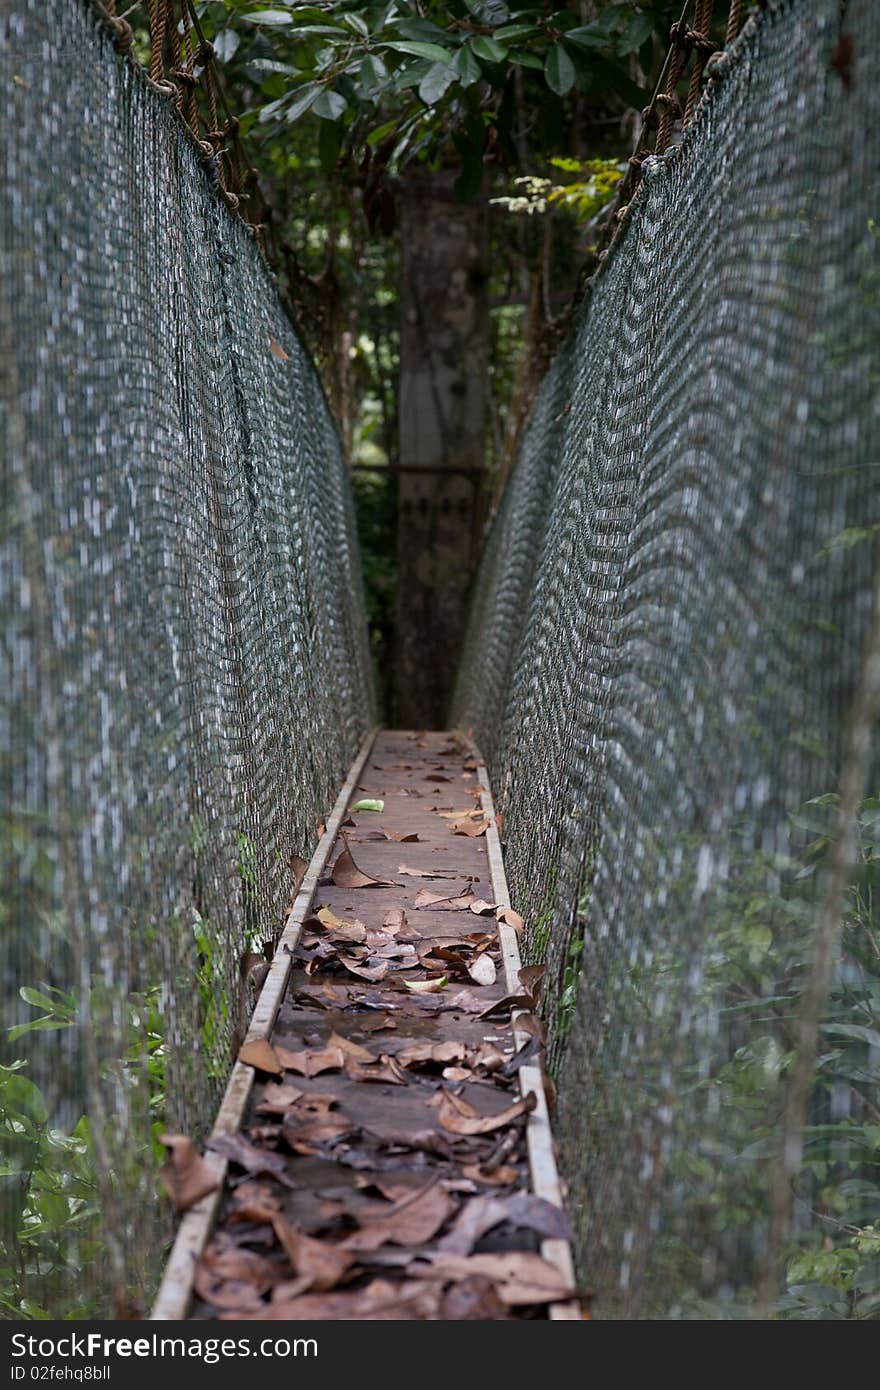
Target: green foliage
{"type": "Point", "coordinates": [418, 80]}
{"type": "Point", "coordinates": [758, 927]}
{"type": "Point", "coordinates": [590, 189]}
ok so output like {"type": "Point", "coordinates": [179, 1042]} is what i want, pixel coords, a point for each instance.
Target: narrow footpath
{"type": "Point", "coordinates": [384, 1150]}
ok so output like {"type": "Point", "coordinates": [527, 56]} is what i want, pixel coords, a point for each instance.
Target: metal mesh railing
{"type": "Point", "coordinates": [185, 671]}
{"type": "Point", "coordinates": [664, 652]}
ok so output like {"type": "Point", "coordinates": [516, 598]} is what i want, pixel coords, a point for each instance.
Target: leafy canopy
{"type": "Point", "coordinates": [415, 79]}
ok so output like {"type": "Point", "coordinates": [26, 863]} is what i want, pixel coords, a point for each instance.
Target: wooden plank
{"type": "Point", "coordinates": [175, 1292]}
{"type": "Point", "coordinates": [539, 1135]}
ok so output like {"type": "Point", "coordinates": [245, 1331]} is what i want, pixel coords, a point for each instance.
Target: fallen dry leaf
{"type": "Point", "coordinates": [252, 1159]}
{"type": "Point", "coordinates": [346, 873]}
{"type": "Point", "coordinates": [531, 977]}
{"type": "Point", "coordinates": [299, 868]}
{"type": "Point", "coordinates": [318, 1261]}
{"type": "Point", "coordinates": [233, 1277]}
{"type": "Point", "coordinates": [418, 1053]}
{"type": "Point", "coordinates": [311, 1063]}
{"type": "Point", "coordinates": [509, 1003]}
{"type": "Point", "coordinates": [413, 1220]}
{"type": "Point", "coordinates": [519, 1278]}
{"type": "Point", "coordinates": [442, 903]}
{"type": "Point", "coordinates": [261, 1055]}
{"type": "Point", "coordinates": [313, 1121]}
{"type": "Point", "coordinates": [480, 907]}
{"type": "Point", "coordinates": [420, 873]}
{"type": "Point", "coordinates": [522, 1209]}
{"type": "Point", "coordinates": [277, 1099]}
{"type": "Point", "coordinates": [452, 1114]}
{"type": "Point", "coordinates": [278, 351]}
{"type": "Point", "coordinates": [412, 1300]}
{"type": "Point", "coordinates": [482, 970]}
{"type": "Point", "coordinates": [186, 1176]}
{"type": "Point", "coordinates": [502, 1176]}
{"type": "Point", "coordinates": [328, 918]}
{"type": "Point", "coordinates": [384, 1070]}
{"type": "Point", "coordinates": [253, 1201]}
{"type": "Point", "coordinates": [351, 1049]}
{"type": "Point", "coordinates": [472, 1300]}
{"type": "Point", "coordinates": [511, 919]}
{"type": "Point", "coordinates": [470, 827]}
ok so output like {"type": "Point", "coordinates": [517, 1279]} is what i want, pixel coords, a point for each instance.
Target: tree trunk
{"type": "Point", "coordinates": [444, 342]}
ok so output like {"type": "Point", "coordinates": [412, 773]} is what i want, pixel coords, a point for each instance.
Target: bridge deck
{"type": "Point", "coordinates": [384, 1149]}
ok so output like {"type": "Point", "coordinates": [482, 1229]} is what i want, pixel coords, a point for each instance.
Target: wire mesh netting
{"type": "Point", "coordinates": [185, 672]}
{"type": "Point", "coordinates": [664, 650]}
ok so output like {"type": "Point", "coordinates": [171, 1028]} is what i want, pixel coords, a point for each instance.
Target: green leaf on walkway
{"type": "Point", "coordinates": [369, 804]}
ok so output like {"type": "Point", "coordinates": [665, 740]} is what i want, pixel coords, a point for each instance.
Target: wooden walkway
{"type": "Point", "coordinates": [383, 1150]}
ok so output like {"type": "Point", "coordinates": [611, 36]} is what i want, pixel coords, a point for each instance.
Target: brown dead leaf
{"type": "Point", "coordinates": [373, 973]}
{"type": "Point", "coordinates": [379, 1023]}
{"type": "Point", "coordinates": [384, 1070]}
{"type": "Point", "coordinates": [249, 1157]}
{"type": "Point", "coordinates": [482, 970]}
{"type": "Point", "coordinates": [466, 1002]}
{"type": "Point", "coordinates": [522, 1209]}
{"type": "Point", "coordinates": [417, 1054]}
{"type": "Point", "coordinates": [233, 1277]}
{"type": "Point", "coordinates": [494, 1177]}
{"type": "Point", "coordinates": [472, 1300]}
{"type": "Point", "coordinates": [261, 1055]}
{"type": "Point", "coordinates": [277, 1099]}
{"type": "Point", "coordinates": [314, 1121]}
{"type": "Point", "coordinates": [278, 351]}
{"type": "Point", "coordinates": [488, 1058]}
{"type": "Point", "coordinates": [453, 1116]}
{"type": "Point", "coordinates": [509, 1003]}
{"type": "Point", "coordinates": [351, 1049]}
{"type": "Point", "coordinates": [381, 1300]}
{"type": "Point", "coordinates": [519, 1278]}
{"type": "Point", "coordinates": [410, 839]}
{"type": "Point", "coordinates": [437, 777]}
{"type": "Point", "coordinates": [468, 813]}
{"type": "Point", "coordinates": [481, 908]}
{"type": "Point", "coordinates": [394, 920]}
{"type": "Point", "coordinates": [441, 903]}
{"type": "Point", "coordinates": [346, 873]}
{"type": "Point", "coordinates": [311, 1063]}
{"type": "Point", "coordinates": [531, 977]}
{"type": "Point", "coordinates": [456, 1074]}
{"type": "Point", "coordinates": [320, 1262]}
{"type": "Point", "coordinates": [470, 827]}
{"type": "Point", "coordinates": [420, 873]}
{"type": "Point", "coordinates": [186, 1176]}
{"type": "Point", "coordinates": [299, 868]}
{"type": "Point", "coordinates": [413, 1220]}
{"type": "Point", "coordinates": [350, 931]}
{"type": "Point", "coordinates": [253, 1201]}
{"type": "Point", "coordinates": [511, 919]}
